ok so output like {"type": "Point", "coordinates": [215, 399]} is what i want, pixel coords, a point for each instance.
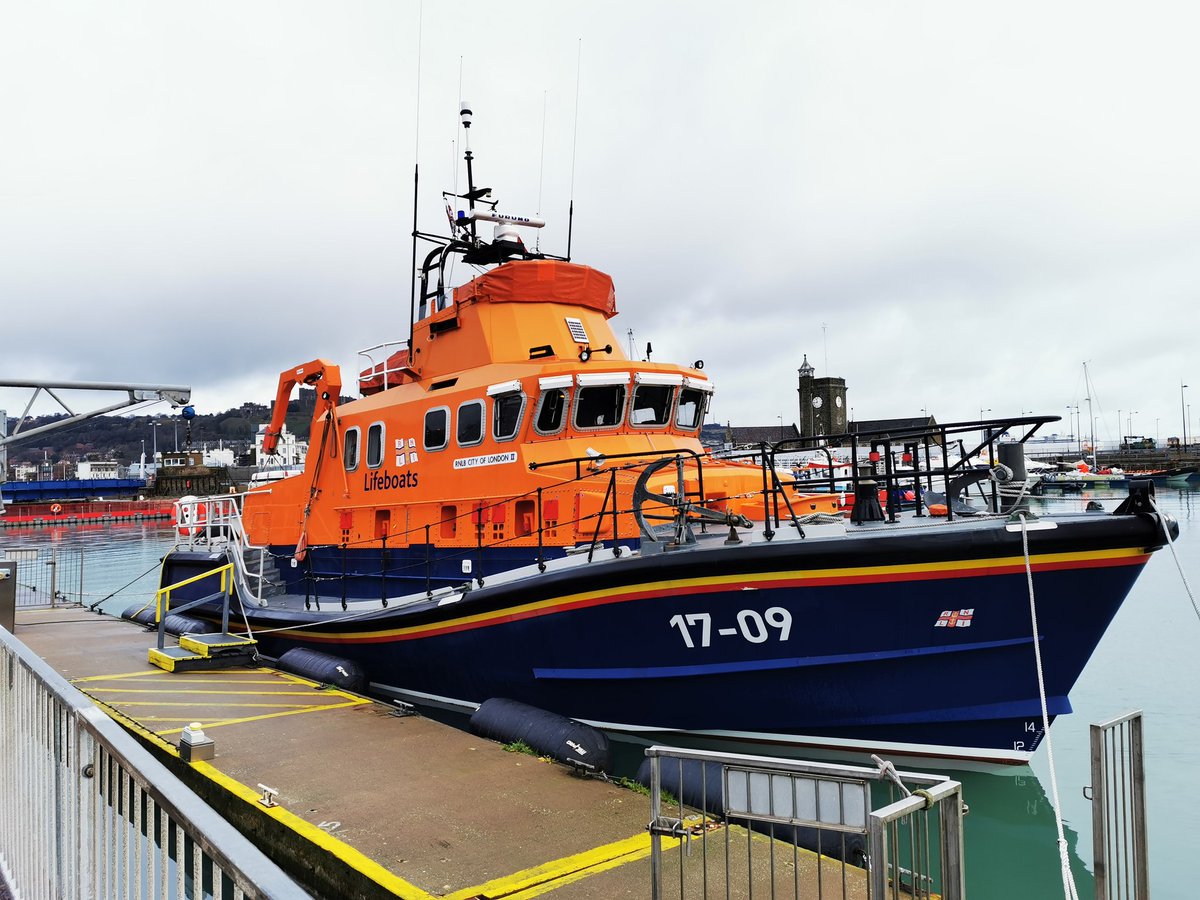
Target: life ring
{"type": "Point", "coordinates": [56, 508]}
{"type": "Point", "coordinates": [189, 516]}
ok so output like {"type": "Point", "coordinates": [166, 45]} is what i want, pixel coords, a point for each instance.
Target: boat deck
{"type": "Point", "coordinates": [371, 803]}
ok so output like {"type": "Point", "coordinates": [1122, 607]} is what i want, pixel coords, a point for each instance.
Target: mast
{"type": "Point", "coordinates": [1087, 386]}
{"type": "Point", "coordinates": [465, 113]}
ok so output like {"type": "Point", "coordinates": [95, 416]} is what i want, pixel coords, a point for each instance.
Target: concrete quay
{"type": "Point", "coordinates": [367, 803]}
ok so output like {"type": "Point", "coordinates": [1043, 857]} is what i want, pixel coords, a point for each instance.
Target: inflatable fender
{"type": "Point", "coordinates": [325, 668]}
{"type": "Point", "coordinates": [548, 733]}
{"type": "Point", "coordinates": [140, 613]}
{"type": "Point", "coordinates": [178, 624]}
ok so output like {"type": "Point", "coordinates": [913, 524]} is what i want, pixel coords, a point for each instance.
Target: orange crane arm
{"type": "Point", "coordinates": [320, 374]}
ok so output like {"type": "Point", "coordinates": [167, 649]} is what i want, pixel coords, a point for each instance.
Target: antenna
{"type": "Point", "coordinates": [412, 289]}
{"type": "Point", "coordinates": [574, 146]}
{"type": "Point", "coordinates": [464, 113]}
{"type": "Point", "coordinates": [537, 246]}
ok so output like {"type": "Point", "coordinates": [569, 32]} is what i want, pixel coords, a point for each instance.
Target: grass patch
{"type": "Point", "coordinates": [520, 747]}
{"type": "Point", "coordinates": [667, 798]}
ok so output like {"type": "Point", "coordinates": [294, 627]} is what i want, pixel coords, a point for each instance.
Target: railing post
{"type": "Point", "coordinates": [1099, 810]}
{"type": "Point", "coordinates": [541, 561]}
{"type": "Point", "coordinates": [383, 571]}
{"type": "Point", "coordinates": [428, 563]}
{"type": "Point", "coordinates": [53, 564]}
{"type": "Point", "coordinates": [1141, 866]}
{"type": "Point", "coordinates": [616, 548]}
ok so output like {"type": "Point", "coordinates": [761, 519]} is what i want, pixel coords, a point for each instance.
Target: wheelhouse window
{"type": "Point", "coordinates": [437, 428]}
{"type": "Point", "coordinates": [470, 423]}
{"type": "Point", "coordinates": [375, 445]}
{"type": "Point", "coordinates": [651, 405]}
{"type": "Point", "coordinates": [552, 410]}
{"type": "Point", "coordinates": [690, 413]}
{"type": "Point", "coordinates": [506, 415]}
{"type": "Point", "coordinates": [600, 406]}
{"type": "Point", "coordinates": [350, 448]}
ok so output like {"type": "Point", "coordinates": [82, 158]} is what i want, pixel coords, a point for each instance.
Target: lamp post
{"type": "Point", "coordinates": [780, 418]}
{"type": "Point", "coordinates": [983, 432]}
{"type": "Point", "coordinates": [1130, 429]}
{"type": "Point", "coordinates": [1183, 412]}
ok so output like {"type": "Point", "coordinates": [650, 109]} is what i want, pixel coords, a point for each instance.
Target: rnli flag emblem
{"type": "Point", "coordinates": [955, 618]}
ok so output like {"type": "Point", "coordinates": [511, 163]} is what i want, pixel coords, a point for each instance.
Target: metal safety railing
{"type": "Point", "coordinates": [1118, 795]}
{"type": "Point", "coordinates": [47, 576]}
{"type": "Point", "coordinates": [85, 811]}
{"type": "Point", "coordinates": [767, 827]}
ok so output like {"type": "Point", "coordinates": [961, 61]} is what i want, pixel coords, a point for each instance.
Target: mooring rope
{"type": "Point", "coordinates": [1069, 891]}
{"type": "Point", "coordinates": [1174, 555]}
{"type": "Point", "coordinates": [118, 590]}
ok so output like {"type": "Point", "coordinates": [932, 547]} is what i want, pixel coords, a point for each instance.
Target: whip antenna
{"type": "Point", "coordinates": [541, 172]}
{"type": "Point", "coordinates": [574, 145]}
{"type": "Point", "coordinates": [412, 290]}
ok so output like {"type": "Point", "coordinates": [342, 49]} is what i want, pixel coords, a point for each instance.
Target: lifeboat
{"type": "Point", "coordinates": [513, 507]}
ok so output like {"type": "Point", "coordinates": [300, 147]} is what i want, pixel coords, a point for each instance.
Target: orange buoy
{"type": "Point", "coordinates": [56, 508]}
{"type": "Point", "coordinates": [937, 509]}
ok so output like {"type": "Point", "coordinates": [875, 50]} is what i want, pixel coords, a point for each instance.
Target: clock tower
{"type": "Point", "coordinates": [822, 403]}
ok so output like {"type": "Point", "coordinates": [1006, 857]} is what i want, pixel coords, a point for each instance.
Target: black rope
{"type": "Point", "coordinates": [92, 608]}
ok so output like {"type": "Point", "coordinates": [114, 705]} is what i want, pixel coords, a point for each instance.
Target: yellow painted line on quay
{"type": "Point", "coordinates": [522, 885]}
{"type": "Point", "coordinates": [353, 858]}
{"type": "Point", "coordinates": [324, 699]}
{"type": "Point", "coordinates": [238, 677]}
{"type": "Point", "coordinates": [561, 872]}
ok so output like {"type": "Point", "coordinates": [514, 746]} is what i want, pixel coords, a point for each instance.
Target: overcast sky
{"type": "Point", "coordinates": [950, 205]}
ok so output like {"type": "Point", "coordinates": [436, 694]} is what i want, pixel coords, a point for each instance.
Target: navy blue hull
{"type": "Point", "coordinates": [803, 641]}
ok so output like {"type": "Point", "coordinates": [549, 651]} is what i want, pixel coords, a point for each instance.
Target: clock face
{"type": "Point", "coordinates": [816, 401]}
{"type": "Point", "coordinates": [838, 401]}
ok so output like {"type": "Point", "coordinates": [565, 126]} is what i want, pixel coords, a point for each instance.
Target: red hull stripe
{"type": "Point", "coordinates": [717, 584]}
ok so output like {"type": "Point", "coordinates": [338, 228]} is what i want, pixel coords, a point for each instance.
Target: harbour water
{"type": "Point", "coordinates": [1149, 660]}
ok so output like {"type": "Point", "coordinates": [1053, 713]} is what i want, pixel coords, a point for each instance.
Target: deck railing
{"type": "Point", "coordinates": [86, 812]}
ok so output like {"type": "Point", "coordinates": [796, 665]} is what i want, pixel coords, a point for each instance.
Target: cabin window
{"type": "Point", "coordinates": [350, 449]}
{"type": "Point", "coordinates": [600, 406]}
{"type": "Point", "coordinates": [651, 405]}
{"type": "Point", "coordinates": [552, 411]}
{"type": "Point", "coordinates": [506, 415]}
{"type": "Point", "coordinates": [437, 428]}
{"type": "Point", "coordinates": [691, 409]}
{"type": "Point", "coordinates": [470, 423]}
{"type": "Point", "coordinates": [375, 445]}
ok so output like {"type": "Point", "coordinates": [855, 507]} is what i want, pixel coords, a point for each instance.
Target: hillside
{"type": "Point", "coordinates": [121, 437]}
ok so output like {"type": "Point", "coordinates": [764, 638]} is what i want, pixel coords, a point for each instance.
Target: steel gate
{"type": "Point", "coordinates": [754, 826]}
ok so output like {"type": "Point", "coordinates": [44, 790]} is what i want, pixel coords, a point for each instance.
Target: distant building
{"type": "Point", "coordinates": [822, 402]}
{"type": "Point", "coordinates": [289, 451]}
{"type": "Point", "coordinates": [218, 456]}
{"type": "Point", "coordinates": [92, 469]}
{"type": "Point", "coordinates": [181, 459]}
{"type": "Point", "coordinates": [729, 437]}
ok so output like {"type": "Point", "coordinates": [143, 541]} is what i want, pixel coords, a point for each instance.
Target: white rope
{"type": "Point", "coordinates": [1174, 555]}
{"type": "Point", "coordinates": [1069, 891]}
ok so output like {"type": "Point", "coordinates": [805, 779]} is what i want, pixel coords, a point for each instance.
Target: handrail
{"type": "Point", "coordinates": [223, 571]}
{"type": "Point", "coordinates": [78, 826]}
{"type": "Point", "coordinates": [226, 572]}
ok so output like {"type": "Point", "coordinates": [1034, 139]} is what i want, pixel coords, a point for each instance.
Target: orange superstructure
{"type": "Point", "coordinates": [521, 369]}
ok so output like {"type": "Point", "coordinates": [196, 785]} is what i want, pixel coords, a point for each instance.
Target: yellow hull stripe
{"type": "Point", "coordinates": [719, 581]}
